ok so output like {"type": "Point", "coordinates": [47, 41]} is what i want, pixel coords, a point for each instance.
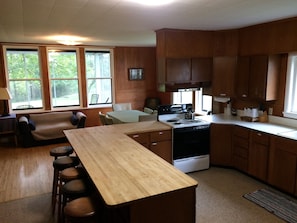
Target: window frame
{"type": "Point", "coordinates": [79, 77]}
{"type": "Point", "coordinates": [291, 86]}
{"type": "Point", "coordinates": [24, 48]}
{"type": "Point", "coordinates": [100, 105]}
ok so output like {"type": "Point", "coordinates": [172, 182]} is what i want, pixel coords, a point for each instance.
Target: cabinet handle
{"type": "Point", "coordinates": [135, 136]}
{"type": "Point", "coordinates": [222, 94]}
{"type": "Point", "coordinates": [160, 133]}
{"type": "Point", "coordinates": [154, 143]}
{"type": "Point", "coordinates": [259, 134]}
{"type": "Point", "coordinates": [244, 95]}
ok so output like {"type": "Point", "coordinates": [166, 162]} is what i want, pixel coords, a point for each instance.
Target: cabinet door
{"type": "Point", "coordinates": [161, 144]}
{"type": "Point", "coordinates": [220, 144]}
{"type": "Point", "coordinates": [258, 155]}
{"type": "Point", "coordinates": [162, 149]}
{"type": "Point", "coordinates": [224, 69]}
{"type": "Point", "coordinates": [282, 164]}
{"type": "Point", "coordinates": [201, 69]}
{"type": "Point", "coordinates": [242, 77]}
{"type": "Point", "coordinates": [258, 72]}
{"type": "Point", "coordinates": [178, 70]}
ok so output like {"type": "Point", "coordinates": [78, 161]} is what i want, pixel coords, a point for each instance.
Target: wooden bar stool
{"type": "Point", "coordinates": [72, 190]}
{"type": "Point", "coordinates": [69, 174]}
{"type": "Point", "coordinates": [60, 164]}
{"type": "Point", "coordinates": [61, 151]}
{"type": "Point", "coordinates": [80, 210]}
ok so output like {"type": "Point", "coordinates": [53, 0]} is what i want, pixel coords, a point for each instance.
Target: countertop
{"type": "Point", "coordinates": [275, 126]}
{"type": "Point", "coordinates": [123, 170]}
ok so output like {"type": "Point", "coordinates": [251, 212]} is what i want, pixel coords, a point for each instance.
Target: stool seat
{"type": "Point", "coordinates": [74, 188]}
{"type": "Point", "coordinates": [72, 173]}
{"type": "Point", "coordinates": [79, 208]}
{"type": "Point", "coordinates": [61, 151]}
{"type": "Point", "coordinates": [65, 162]}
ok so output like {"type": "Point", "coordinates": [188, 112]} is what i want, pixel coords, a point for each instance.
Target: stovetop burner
{"type": "Point", "coordinates": [172, 120]}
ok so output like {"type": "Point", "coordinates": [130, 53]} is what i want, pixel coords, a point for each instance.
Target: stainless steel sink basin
{"type": "Point", "coordinates": [290, 134]}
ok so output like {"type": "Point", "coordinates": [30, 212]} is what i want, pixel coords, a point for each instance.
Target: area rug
{"type": "Point", "coordinates": [36, 209]}
{"type": "Point", "coordinates": [277, 203]}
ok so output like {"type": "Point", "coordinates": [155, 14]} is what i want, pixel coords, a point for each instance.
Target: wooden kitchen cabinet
{"type": "Point", "coordinates": [178, 70]}
{"type": "Point", "coordinates": [224, 69]}
{"type": "Point", "coordinates": [258, 154]}
{"type": "Point", "coordinates": [141, 138]}
{"type": "Point", "coordinates": [240, 148]}
{"type": "Point", "coordinates": [282, 164]}
{"type": "Point", "coordinates": [264, 77]}
{"type": "Point", "coordinates": [221, 144]}
{"type": "Point", "coordinates": [159, 142]}
{"type": "Point", "coordinates": [201, 70]}
{"type": "Point", "coordinates": [242, 77]}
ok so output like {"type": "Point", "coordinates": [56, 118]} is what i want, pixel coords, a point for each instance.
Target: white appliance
{"type": "Point", "coordinates": [191, 137]}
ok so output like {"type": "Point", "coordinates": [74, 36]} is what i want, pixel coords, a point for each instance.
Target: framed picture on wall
{"type": "Point", "coordinates": [136, 74]}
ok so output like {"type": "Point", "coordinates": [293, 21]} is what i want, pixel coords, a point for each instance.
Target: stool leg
{"type": "Point", "coordinates": [54, 190]}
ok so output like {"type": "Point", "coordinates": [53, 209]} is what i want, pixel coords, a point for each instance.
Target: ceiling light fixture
{"type": "Point", "coordinates": [67, 40]}
{"type": "Point", "coordinates": [152, 2]}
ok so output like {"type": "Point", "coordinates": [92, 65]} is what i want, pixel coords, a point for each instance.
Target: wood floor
{"type": "Point", "coordinates": [25, 172]}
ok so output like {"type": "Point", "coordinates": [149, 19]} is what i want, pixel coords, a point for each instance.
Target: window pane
{"type": "Point", "coordinates": [100, 88]}
{"type": "Point", "coordinates": [64, 93]}
{"type": "Point", "coordinates": [24, 78]}
{"type": "Point", "coordinates": [98, 64]}
{"type": "Point", "coordinates": [62, 64]}
{"type": "Point", "coordinates": [99, 77]}
{"type": "Point", "coordinates": [63, 74]}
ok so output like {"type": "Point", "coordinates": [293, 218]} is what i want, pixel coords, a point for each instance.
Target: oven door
{"type": "Point", "coordinates": [191, 141]}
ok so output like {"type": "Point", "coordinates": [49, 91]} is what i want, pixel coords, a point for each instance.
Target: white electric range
{"type": "Point", "coordinates": [191, 137]}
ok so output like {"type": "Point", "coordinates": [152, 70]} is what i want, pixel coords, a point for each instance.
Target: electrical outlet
{"type": "Point", "coordinates": [270, 111]}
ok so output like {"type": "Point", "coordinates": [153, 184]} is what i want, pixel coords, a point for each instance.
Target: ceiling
{"type": "Point", "coordinates": [125, 23]}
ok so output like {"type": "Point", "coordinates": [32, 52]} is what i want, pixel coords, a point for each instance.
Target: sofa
{"type": "Point", "coordinates": [45, 128]}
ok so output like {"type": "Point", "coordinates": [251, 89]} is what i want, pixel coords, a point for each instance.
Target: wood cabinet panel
{"type": "Point", "coordinates": [282, 164]}
{"type": "Point", "coordinates": [142, 138]}
{"type": "Point", "coordinates": [178, 70]}
{"type": "Point", "coordinates": [201, 70]}
{"type": "Point", "coordinates": [242, 77]}
{"type": "Point", "coordinates": [226, 43]}
{"type": "Point", "coordinates": [258, 154]}
{"type": "Point", "coordinates": [221, 144]}
{"type": "Point", "coordinates": [161, 136]}
{"type": "Point", "coordinates": [224, 69]}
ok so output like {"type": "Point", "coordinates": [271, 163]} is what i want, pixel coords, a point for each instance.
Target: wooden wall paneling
{"type": "Point", "coordinates": [2, 75]}
{"type": "Point", "coordinates": [134, 91]}
{"type": "Point", "coordinates": [201, 43]}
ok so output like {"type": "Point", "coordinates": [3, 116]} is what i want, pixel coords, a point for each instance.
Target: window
{"type": "Point", "coordinates": [24, 78]}
{"type": "Point", "coordinates": [201, 102]}
{"type": "Point", "coordinates": [99, 77]}
{"type": "Point", "coordinates": [290, 109]}
{"type": "Point", "coordinates": [63, 75]}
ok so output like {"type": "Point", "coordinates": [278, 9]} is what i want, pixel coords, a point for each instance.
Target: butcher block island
{"type": "Point", "coordinates": [131, 179]}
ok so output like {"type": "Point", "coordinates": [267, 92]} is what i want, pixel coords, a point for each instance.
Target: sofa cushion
{"type": "Point", "coordinates": [74, 120]}
{"type": "Point", "coordinates": [31, 124]}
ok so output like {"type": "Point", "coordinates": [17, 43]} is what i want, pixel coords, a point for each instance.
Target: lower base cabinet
{"type": "Point", "coordinates": [258, 154]}
{"type": "Point", "coordinates": [159, 142]}
{"type": "Point", "coordinates": [282, 164]}
{"type": "Point", "coordinates": [240, 148]}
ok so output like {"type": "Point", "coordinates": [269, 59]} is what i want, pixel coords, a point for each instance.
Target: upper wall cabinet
{"type": "Point", "coordinates": [173, 43]}
{"type": "Point", "coordinates": [224, 69]}
{"type": "Point", "coordinates": [257, 77]}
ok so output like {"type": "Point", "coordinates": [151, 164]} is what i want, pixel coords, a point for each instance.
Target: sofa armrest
{"type": "Point", "coordinates": [81, 119]}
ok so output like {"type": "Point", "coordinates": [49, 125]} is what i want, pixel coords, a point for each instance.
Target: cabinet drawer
{"type": "Point", "coordinates": [240, 131]}
{"type": "Point", "coordinates": [160, 136]}
{"type": "Point", "coordinates": [241, 152]}
{"type": "Point", "coordinates": [142, 138]}
{"type": "Point", "coordinates": [240, 142]}
{"type": "Point", "coordinates": [260, 137]}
